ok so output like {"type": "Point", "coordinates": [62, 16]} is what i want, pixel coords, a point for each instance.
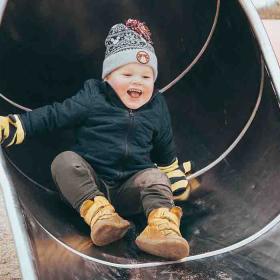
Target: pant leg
{"type": "Point", "coordinates": [146, 190]}
{"type": "Point", "coordinates": [75, 179]}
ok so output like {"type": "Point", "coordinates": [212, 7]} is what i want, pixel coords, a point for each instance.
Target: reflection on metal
{"type": "Point", "coordinates": [3, 4]}
{"type": "Point", "coordinates": [17, 223]}
{"type": "Point", "coordinates": [24, 174]}
{"type": "Point", "coordinates": [14, 103]}
{"type": "Point", "coordinates": [239, 137]}
{"type": "Point", "coordinates": [199, 55]}
{"type": "Point", "coordinates": [263, 40]}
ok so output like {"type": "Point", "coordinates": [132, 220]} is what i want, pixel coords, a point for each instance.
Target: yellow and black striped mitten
{"type": "Point", "coordinates": [180, 186]}
{"type": "Point", "coordinates": [11, 130]}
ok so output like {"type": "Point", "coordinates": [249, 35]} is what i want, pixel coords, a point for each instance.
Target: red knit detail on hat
{"type": "Point", "coordinates": [141, 28]}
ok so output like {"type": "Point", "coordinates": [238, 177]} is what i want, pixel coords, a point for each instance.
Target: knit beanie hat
{"type": "Point", "coordinates": [129, 43]}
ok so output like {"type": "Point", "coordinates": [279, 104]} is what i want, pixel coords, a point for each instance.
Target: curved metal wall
{"type": "Point", "coordinates": [48, 48]}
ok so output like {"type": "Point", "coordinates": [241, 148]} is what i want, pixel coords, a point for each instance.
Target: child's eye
{"type": "Point", "coordinates": [127, 75]}
{"type": "Point", "coordinates": [146, 77]}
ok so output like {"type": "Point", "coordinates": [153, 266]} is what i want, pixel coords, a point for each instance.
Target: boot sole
{"type": "Point", "coordinates": [108, 233]}
{"type": "Point", "coordinates": [169, 249]}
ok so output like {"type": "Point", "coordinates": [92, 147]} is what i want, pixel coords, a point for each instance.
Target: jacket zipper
{"type": "Point", "coordinates": [126, 150]}
{"type": "Point", "coordinates": [131, 115]}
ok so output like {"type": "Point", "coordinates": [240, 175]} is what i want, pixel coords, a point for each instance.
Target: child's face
{"type": "Point", "coordinates": [133, 83]}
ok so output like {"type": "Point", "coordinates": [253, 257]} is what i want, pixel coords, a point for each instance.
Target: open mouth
{"type": "Point", "coordinates": [134, 93]}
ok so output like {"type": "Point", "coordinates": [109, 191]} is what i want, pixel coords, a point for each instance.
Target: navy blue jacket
{"type": "Point", "coordinates": [116, 141]}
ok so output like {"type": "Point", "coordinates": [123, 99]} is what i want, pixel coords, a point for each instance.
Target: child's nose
{"type": "Point", "coordinates": [137, 81]}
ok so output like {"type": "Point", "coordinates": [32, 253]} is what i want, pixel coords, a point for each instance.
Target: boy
{"type": "Point", "coordinates": [123, 130]}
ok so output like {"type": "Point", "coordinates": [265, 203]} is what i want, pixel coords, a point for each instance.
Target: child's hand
{"type": "Point", "coordinates": [11, 130]}
{"type": "Point", "coordinates": [180, 186]}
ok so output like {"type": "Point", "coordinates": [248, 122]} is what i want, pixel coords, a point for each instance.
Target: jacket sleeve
{"type": "Point", "coordinates": [164, 150]}
{"type": "Point", "coordinates": [58, 115]}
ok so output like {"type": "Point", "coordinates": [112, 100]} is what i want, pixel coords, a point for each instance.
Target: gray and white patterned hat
{"type": "Point", "coordinates": [130, 43]}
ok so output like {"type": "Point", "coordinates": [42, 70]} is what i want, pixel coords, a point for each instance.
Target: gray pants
{"type": "Point", "coordinates": [77, 181]}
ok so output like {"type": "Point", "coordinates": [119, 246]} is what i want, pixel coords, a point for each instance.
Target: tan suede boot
{"type": "Point", "coordinates": [162, 236]}
{"type": "Point", "coordinates": [106, 225]}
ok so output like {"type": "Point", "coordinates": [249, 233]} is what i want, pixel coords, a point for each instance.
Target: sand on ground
{"type": "Point", "coordinates": [9, 267]}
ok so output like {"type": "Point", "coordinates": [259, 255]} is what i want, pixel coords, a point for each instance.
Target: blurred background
{"type": "Point", "coordinates": [269, 11]}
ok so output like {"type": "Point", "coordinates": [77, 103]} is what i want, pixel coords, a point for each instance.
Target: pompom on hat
{"type": "Point", "coordinates": [129, 43]}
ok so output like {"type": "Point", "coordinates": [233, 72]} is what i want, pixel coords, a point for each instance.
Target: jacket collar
{"type": "Point", "coordinates": [114, 99]}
